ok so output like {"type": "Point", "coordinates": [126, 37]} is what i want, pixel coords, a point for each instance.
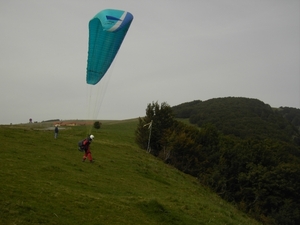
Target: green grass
{"type": "Point", "coordinates": [43, 181]}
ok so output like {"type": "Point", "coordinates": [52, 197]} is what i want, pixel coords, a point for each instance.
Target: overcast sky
{"type": "Point", "coordinates": [175, 51]}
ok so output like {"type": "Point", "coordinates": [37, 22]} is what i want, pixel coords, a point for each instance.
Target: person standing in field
{"type": "Point", "coordinates": [86, 146]}
{"type": "Point", "coordinates": [55, 131]}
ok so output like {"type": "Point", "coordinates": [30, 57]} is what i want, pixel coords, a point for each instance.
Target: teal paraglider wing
{"type": "Point", "coordinates": [106, 33]}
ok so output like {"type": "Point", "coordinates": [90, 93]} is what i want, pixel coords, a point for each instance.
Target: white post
{"type": "Point", "coordinates": [149, 138]}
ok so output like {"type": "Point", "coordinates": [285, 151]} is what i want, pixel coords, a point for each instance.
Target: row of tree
{"type": "Point", "coordinates": [259, 173]}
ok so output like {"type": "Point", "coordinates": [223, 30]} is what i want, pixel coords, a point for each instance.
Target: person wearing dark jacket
{"type": "Point", "coordinates": [86, 146]}
{"type": "Point", "coordinates": [55, 131]}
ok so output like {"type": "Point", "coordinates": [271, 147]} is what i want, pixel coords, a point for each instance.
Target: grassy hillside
{"type": "Point", "coordinates": [43, 181]}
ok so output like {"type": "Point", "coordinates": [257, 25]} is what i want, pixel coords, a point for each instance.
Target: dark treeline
{"type": "Point", "coordinates": [243, 118]}
{"type": "Point", "coordinates": [244, 150]}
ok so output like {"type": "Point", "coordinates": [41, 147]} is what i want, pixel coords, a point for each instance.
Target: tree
{"type": "Point", "coordinates": [161, 118]}
{"type": "Point", "coordinates": [97, 125]}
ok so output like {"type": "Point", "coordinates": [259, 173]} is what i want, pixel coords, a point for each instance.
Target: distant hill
{"type": "Point", "coordinates": [244, 118]}
{"type": "Point", "coordinates": [291, 114]}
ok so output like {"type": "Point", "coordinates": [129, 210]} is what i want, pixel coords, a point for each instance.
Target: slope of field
{"type": "Point", "coordinates": [43, 181]}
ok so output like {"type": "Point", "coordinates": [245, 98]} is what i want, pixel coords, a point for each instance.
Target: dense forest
{"type": "Point", "coordinates": [243, 149]}
{"type": "Point", "coordinates": [243, 118]}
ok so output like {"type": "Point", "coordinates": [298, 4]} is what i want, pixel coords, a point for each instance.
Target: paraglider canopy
{"type": "Point", "coordinates": [106, 33]}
